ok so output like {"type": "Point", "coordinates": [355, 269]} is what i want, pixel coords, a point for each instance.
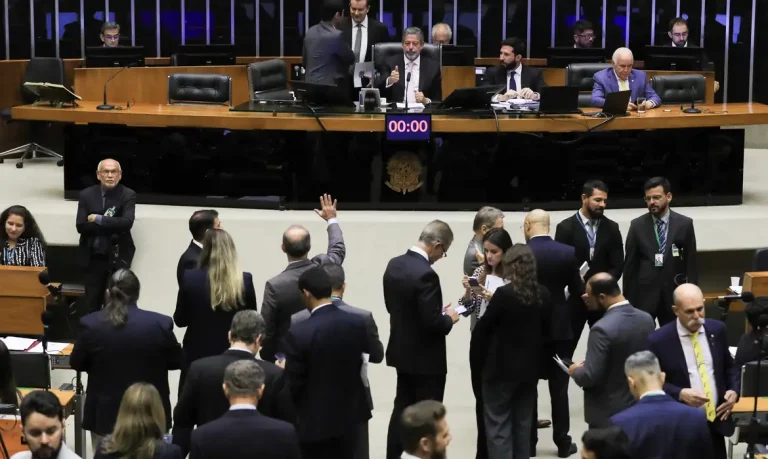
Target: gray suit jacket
{"type": "Point", "coordinates": [621, 332]}
{"type": "Point", "coordinates": [372, 332]}
{"type": "Point", "coordinates": [282, 298]}
{"type": "Point", "coordinates": [326, 56]}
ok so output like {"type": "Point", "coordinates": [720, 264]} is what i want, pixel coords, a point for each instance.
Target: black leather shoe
{"type": "Point", "coordinates": [543, 423]}
{"type": "Point", "coordinates": [566, 450]}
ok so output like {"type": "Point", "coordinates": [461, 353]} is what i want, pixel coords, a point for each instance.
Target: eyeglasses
{"type": "Point", "coordinates": [442, 248]}
{"type": "Point", "coordinates": [656, 198]}
{"type": "Point", "coordinates": [111, 37]}
{"type": "Point", "coordinates": [587, 36]}
{"type": "Point", "coordinates": [109, 172]}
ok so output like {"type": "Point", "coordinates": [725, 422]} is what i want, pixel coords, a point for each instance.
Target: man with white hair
{"type": "Point", "coordinates": [441, 34]}
{"type": "Point", "coordinates": [622, 77]}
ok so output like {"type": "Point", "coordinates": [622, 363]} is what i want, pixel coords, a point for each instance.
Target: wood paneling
{"type": "Point", "coordinates": [457, 77]}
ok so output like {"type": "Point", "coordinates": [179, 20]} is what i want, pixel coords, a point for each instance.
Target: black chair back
{"type": "Point", "coordinates": [582, 76]}
{"type": "Point", "coordinates": [680, 89]}
{"type": "Point", "coordinates": [760, 260]}
{"type": "Point", "coordinates": [201, 88]}
{"type": "Point", "coordinates": [267, 76]}
{"type": "Point", "coordinates": [42, 70]}
{"type": "Point", "coordinates": [31, 370]}
{"type": "Point", "coordinates": [384, 51]}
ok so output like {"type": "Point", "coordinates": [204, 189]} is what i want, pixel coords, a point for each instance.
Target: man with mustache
{"type": "Point", "coordinates": [42, 423]}
{"type": "Point", "coordinates": [417, 71]}
{"type": "Point", "coordinates": [661, 253]}
{"type": "Point", "coordinates": [700, 372]}
{"type": "Point", "coordinates": [522, 82]}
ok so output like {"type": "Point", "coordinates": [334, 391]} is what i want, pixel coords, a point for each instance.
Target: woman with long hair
{"type": "Point", "coordinates": [9, 394]}
{"type": "Point", "coordinates": [139, 429]}
{"type": "Point", "coordinates": [121, 345]}
{"type": "Point", "coordinates": [505, 351]}
{"type": "Point", "coordinates": [22, 241]}
{"type": "Point", "coordinates": [209, 297]}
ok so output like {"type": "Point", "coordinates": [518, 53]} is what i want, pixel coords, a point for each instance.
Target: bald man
{"type": "Point", "coordinates": [105, 214]}
{"type": "Point", "coordinates": [282, 297]}
{"type": "Point", "coordinates": [622, 77]}
{"type": "Point", "coordinates": [556, 269]}
{"type": "Point", "coordinates": [693, 352]}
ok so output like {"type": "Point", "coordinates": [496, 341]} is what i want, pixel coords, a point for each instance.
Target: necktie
{"type": "Point", "coordinates": [623, 85]}
{"type": "Point", "coordinates": [591, 232]}
{"type": "Point", "coordinates": [660, 229]}
{"type": "Point", "coordinates": [710, 406]}
{"type": "Point", "coordinates": [358, 42]}
{"type": "Point", "coordinates": [512, 83]}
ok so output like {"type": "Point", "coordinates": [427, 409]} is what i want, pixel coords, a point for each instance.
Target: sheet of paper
{"type": "Point", "coordinates": [523, 102]}
{"type": "Point", "coordinates": [732, 350]}
{"type": "Point", "coordinates": [411, 106]}
{"type": "Point", "coordinates": [364, 68]}
{"type": "Point", "coordinates": [17, 344]}
{"type": "Point", "coordinates": [735, 289]}
{"type": "Point", "coordinates": [561, 364]}
{"type": "Point", "coordinates": [53, 348]}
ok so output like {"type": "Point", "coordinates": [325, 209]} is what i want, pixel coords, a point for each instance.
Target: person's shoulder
{"type": "Point", "coordinates": [663, 332]}
{"type": "Point", "coordinates": [601, 74]}
{"type": "Point", "coordinates": [153, 316]}
{"type": "Point", "coordinates": [22, 455]}
{"type": "Point", "coordinates": [680, 217]}
{"type": "Point", "coordinates": [639, 220]}
{"type": "Point", "coordinates": [125, 191]}
{"type": "Point", "coordinates": [714, 326]}
{"type": "Point", "coordinates": [355, 310]}
{"type": "Point", "coordinates": [269, 367]}
{"type": "Point", "coordinates": [608, 222]}
{"type": "Point", "coordinates": [85, 192]}
{"type": "Point", "coordinates": [566, 223]}
{"type": "Point", "coordinates": [638, 74]}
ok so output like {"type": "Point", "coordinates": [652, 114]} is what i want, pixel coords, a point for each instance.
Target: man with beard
{"type": "Point", "coordinates": [598, 242]}
{"type": "Point", "coordinates": [425, 432]}
{"type": "Point", "coordinates": [661, 253]}
{"type": "Point", "coordinates": [42, 423]}
{"type": "Point", "coordinates": [419, 72]}
{"type": "Point", "coordinates": [678, 35]}
{"type": "Point", "coordinates": [700, 372]}
{"type": "Point", "coordinates": [522, 82]}
{"type": "Point", "coordinates": [583, 34]}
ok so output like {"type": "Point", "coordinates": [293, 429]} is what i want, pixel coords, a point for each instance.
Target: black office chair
{"type": "Point", "coordinates": [199, 88]}
{"type": "Point", "coordinates": [680, 89]}
{"type": "Point", "coordinates": [582, 76]}
{"type": "Point", "coordinates": [383, 51]}
{"type": "Point", "coordinates": [39, 70]}
{"type": "Point", "coordinates": [760, 260]}
{"type": "Point", "coordinates": [268, 80]}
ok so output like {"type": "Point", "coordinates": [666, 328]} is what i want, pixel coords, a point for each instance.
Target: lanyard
{"type": "Point", "coordinates": [591, 238]}
{"type": "Point", "coordinates": [656, 233]}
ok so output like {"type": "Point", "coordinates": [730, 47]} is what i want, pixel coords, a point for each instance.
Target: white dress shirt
{"type": "Point", "coordinates": [686, 340]}
{"type": "Point", "coordinates": [653, 393]}
{"type": "Point", "coordinates": [197, 243]}
{"type": "Point", "coordinates": [318, 307]}
{"type": "Point", "coordinates": [420, 252]}
{"type": "Point", "coordinates": [363, 41]}
{"type": "Point", "coordinates": [414, 67]}
{"type": "Point", "coordinates": [620, 303]}
{"type": "Point", "coordinates": [408, 456]}
{"type": "Point", "coordinates": [242, 406]}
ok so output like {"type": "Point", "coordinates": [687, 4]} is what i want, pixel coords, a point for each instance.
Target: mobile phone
{"type": "Point", "coordinates": [168, 438]}
{"type": "Point", "coordinates": [279, 356]}
{"type": "Point", "coordinates": [473, 282]}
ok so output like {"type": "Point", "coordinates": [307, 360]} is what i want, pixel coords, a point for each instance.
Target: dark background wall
{"type": "Point", "coordinates": [276, 27]}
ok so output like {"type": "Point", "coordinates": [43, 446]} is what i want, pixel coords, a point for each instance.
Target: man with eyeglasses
{"type": "Point", "coordinates": [678, 34]}
{"type": "Point", "coordinates": [110, 34]}
{"type": "Point", "coordinates": [583, 34]}
{"type": "Point", "coordinates": [660, 253]}
{"type": "Point", "coordinates": [412, 75]}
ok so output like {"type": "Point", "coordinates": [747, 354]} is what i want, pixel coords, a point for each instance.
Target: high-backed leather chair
{"type": "Point", "coordinates": [383, 51]}
{"type": "Point", "coordinates": [267, 80]}
{"type": "Point", "coordinates": [680, 89]}
{"type": "Point", "coordinates": [760, 260]}
{"type": "Point", "coordinates": [200, 88]}
{"type": "Point", "coordinates": [582, 76]}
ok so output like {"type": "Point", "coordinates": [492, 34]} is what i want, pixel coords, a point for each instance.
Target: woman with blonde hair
{"type": "Point", "coordinates": [139, 429]}
{"type": "Point", "coordinates": [209, 297]}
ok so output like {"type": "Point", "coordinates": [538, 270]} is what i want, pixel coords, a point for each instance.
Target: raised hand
{"type": "Point", "coordinates": [327, 209]}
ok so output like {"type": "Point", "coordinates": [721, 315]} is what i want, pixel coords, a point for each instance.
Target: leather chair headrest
{"type": "Point", "coordinates": [680, 89]}
{"type": "Point", "coordinates": [199, 87]}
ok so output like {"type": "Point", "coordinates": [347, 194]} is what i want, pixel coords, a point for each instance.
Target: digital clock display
{"type": "Point", "coordinates": [410, 126]}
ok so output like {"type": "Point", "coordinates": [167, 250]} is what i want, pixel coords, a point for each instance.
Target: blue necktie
{"type": "Point", "coordinates": [660, 225]}
{"type": "Point", "coordinates": [512, 84]}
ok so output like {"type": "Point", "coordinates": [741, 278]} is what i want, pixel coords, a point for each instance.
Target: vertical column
{"type": "Point", "coordinates": [727, 48]}
{"type": "Point", "coordinates": [232, 22]}
{"type": "Point", "coordinates": [605, 19]}
{"type": "Point", "coordinates": [578, 9]}
{"type": "Point", "coordinates": [626, 25]}
{"type": "Point", "coordinates": [282, 27]}
{"type": "Point", "coordinates": [183, 22]}
{"type": "Point", "coordinates": [504, 20]}
{"type": "Point", "coordinates": [208, 22]}
{"type": "Point", "coordinates": [552, 25]}
{"type": "Point", "coordinates": [455, 21]}
{"type": "Point", "coordinates": [405, 15]}
{"type": "Point", "coordinates": [677, 9]}
{"type": "Point", "coordinates": [31, 27]}
{"type": "Point", "coordinates": [479, 25]}
{"type": "Point", "coordinates": [752, 52]}
{"type": "Point", "coordinates": [133, 22]}
{"type": "Point", "coordinates": [82, 28]}
{"type": "Point", "coordinates": [157, 26]}
{"type": "Point", "coordinates": [653, 22]}
{"type": "Point", "coordinates": [8, 35]}
{"type": "Point", "coordinates": [528, 32]}
{"type": "Point", "coordinates": [55, 27]}
{"type": "Point", "coordinates": [256, 17]}
{"type": "Point", "coordinates": [306, 16]}
{"type": "Point", "coordinates": [703, 22]}
{"type": "Point", "coordinates": [106, 10]}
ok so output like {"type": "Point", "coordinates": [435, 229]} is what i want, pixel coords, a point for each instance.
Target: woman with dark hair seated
{"type": "Point", "coordinates": [8, 393]}
{"type": "Point", "coordinates": [22, 241]}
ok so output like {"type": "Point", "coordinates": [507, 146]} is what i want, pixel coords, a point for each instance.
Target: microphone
{"type": "Point", "coordinates": [692, 108]}
{"type": "Point", "coordinates": [746, 297]}
{"type": "Point", "coordinates": [105, 105]}
{"type": "Point", "coordinates": [46, 280]}
{"type": "Point", "coordinates": [407, 80]}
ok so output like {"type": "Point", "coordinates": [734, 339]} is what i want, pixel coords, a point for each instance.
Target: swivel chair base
{"type": "Point", "coordinates": [31, 151]}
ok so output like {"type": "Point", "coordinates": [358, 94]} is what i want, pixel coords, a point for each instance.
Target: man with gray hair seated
{"type": "Point", "coordinates": [243, 428]}
{"type": "Point", "coordinates": [411, 76]}
{"type": "Point", "coordinates": [441, 34]}
{"type": "Point", "coordinates": [110, 34]}
{"type": "Point", "coordinates": [659, 426]}
{"type": "Point", "coordinates": [622, 77]}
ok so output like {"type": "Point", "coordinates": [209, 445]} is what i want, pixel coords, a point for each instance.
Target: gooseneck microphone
{"type": "Point", "coordinates": [46, 280]}
{"type": "Point", "coordinates": [105, 105]}
{"type": "Point", "coordinates": [746, 297]}
{"type": "Point", "coordinates": [692, 108]}
{"type": "Point", "coordinates": [407, 80]}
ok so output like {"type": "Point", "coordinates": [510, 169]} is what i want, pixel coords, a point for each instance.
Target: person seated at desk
{"type": "Point", "coordinates": [522, 82]}
{"type": "Point", "coordinates": [678, 35]}
{"type": "Point", "coordinates": [441, 34]}
{"type": "Point", "coordinates": [622, 77]}
{"type": "Point", "coordinates": [110, 34]}
{"type": "Point", "coordinates": [748, 349]}
{"type": "Point", "coordinates": [326, 55]}
{"type": "Point", "coordinates": [22, 241]}
{"type": "Point", "coordinates": [42, 426]}
{"type": "Point", "coordinates": [425, 85]}
{"type": "Point", "coordinates": [583, 34]}
{"type": "Point", "coordinates": [9, 394]}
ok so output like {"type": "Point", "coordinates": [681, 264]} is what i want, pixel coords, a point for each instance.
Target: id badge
{"type": "Point", "coordinates": [658, 259]}
{"type": "Point", "coordinates": [675, 251]}
{"type": "Point", "coordinates": [591, 253]}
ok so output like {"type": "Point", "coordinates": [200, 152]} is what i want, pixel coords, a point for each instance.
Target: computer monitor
{"type": "Point", "coordinates": [325, 95]}
{"type": "Point", "coordinates": [205, 55]}
{"type": "Point", "coordinates": [458, 55]}
{"type": "Point", "coordinates": [120, 56]}
{"type": "Point", "coordinates": [561, 57]}
{"type": "Point", "coordinates": [673, 58]}
{"type": "Point", "coordinates": [471, 98]}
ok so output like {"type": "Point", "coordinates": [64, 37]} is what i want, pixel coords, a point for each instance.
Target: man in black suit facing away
{"type": "Point", "coordinates": [200, 222]}
{"type": "Point", "coordinates": [243, 431]}
{"type": "Point", "coordinates": [661, 253]}
{"type": "Point", "coordinates": [556, 269]}
{"type": "Point", "coordinates": [520, 81]}
{"type": "Point", "coordinates": [202, 401]}
{"type": "Point", "coordinates": [323, 364]}
{"type": "Point", "coordinates": [418, 72]}
{"type": "Point", "coordinates": [418, 325]}
{"type": "Point", "coordinates": [597, 240]}
{"type": "Point", "coordinates": [105, 216]}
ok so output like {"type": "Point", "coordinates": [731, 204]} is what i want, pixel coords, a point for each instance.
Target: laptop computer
{"type": "Point", "coordinates": [616, 103]}
{"type": "Point", "coordinates": [325, 95]}
{"type": "Point", "coordinates": [559, 100]}
{"type": "Point", "coordinates": [478, 97]}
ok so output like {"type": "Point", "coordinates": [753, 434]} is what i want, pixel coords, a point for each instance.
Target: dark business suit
{"type": "Point", "coordinates": [203, 400]}
{"type": "Point", "coordinates": [323, 364]}
{"type": "Point", "coordinates": [326, 55]}
{"type": "Point", "coordinates": [648, 287]}
{"type": "Point", "coordinates": [665, 343]}
{"type": "Point", "coordinates": [162, 451]}
{"type": "Point", "coordinates": [143, 350]}
{"type": "Point", "coordinates": [530, 77]}
{"type": "Point", "coordinates": [621, 332]}
{"type": "Point", "coordinates": [608, 258]}
{"type": "Point", "coordinates": [556, 268]}
{"type": "Point", "coordinates": [97, 240]}
{"type": "Point", "coordinates": [282, 297]}
{"type": "Point", "coordinates": [207, 328]}
{"type": "Point", "coordinates": [659, 427]}
{"type": "Point", "coordinates": [430, 79]}
{"type": "Point", "coordinates": [376, 31]}
{"type": "Point", "coordinates": [188, 260]}
{"type": "Point", "coordinates": [245, 433]}
{"type": "Point", "coordinates": [416, 347]}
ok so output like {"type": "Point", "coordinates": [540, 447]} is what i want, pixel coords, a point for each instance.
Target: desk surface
{"type": "Point", "coordinates": [65, 396]}
{"type": "Point", "coordinates": [193, 116]}
{"type": "Point", "coordinates": [747, 404]}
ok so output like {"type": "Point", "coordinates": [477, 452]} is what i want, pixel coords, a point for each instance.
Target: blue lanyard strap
{"type": "Point", "coordinates": [591, 238]}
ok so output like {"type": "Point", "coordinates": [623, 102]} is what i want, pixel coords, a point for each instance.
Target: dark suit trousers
{"type": "Point", "coordinates": [558, 394]}
{"type": "Point", "coordinates": [663, 312]}
{"type": "Point", "coordinates": [95, 278]}
{"type": "Point", "coordinates": [718, 442]}
{"type": "Point", "coordinates": [332, 448]}
{"type": "Point", "coordinates": [410, 389]}
{"type": "Point", "coordinates": [477, 389]}
{"type": "Point", "coordinates": [362, 451]}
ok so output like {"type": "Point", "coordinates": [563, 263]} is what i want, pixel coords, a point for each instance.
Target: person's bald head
{"type": "Point", "coordinates": [623, 60]}
{"type": "Point", "coordinates": [689, 306]}
{"type": "Point", "coordinates": [536, 224]}
{"type": "Point", "coordinates": [109, 173]}
{"type": "Point", "coordinates": [603, 291]}
{"type": "Point", "coordinates": [296, 242]}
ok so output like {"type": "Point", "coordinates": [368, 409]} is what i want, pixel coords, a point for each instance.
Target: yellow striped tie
{"type": "Point", "coordinates": [710, 406]}
{"type": "Point", "coordinates": [623, 85]}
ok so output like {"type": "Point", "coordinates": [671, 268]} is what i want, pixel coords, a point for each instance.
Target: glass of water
{"type": "Point", "coordinates": [640, 105]}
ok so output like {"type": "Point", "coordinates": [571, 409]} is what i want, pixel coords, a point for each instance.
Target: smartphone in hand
{"type": "Point", "coordinates": [473, 282]}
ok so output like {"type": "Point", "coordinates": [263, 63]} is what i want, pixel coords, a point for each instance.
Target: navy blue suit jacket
{"type": "Point", "coordinates": [665, 343]}
{"type": "Point", "coordinates": [323, 363]}
{"type": "Point", "coordinates": [659, 427]}
{"type": "Point", "coordinates": [162, 451]}
{"type": "Point", "coordinates": [245, 433]}
{"type": "Point", "coordinates": [143, 350]}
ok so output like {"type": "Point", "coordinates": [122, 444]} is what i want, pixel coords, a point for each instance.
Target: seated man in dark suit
{"type": "Point", "coordinates": [200, 222]}
{"type": "Point", "coordinates": [658, 426]}
{"type": "Point", "coordinates": [521, 82]}
{"type": "Point", "coordinates": [419, 72]}
{"type": "Point", "coordinates": [202, 401]}
{"type": "Point", "coordinates": [243, 429]}
{"type": "Point", "coordinates": [678, 35]}
{"type": "Point", "coordinates": [323, 364]}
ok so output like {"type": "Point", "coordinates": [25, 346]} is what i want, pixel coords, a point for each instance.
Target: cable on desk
{"type": "Point", "coordinates": [314, 113]}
